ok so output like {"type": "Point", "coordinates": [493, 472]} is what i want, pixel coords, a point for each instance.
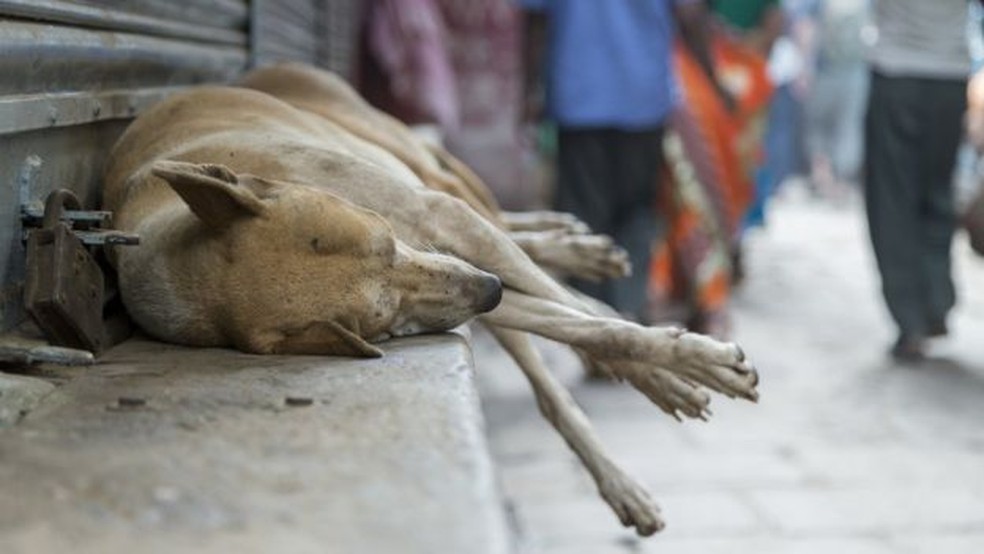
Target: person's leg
{"type": "Point", "coordinates": [584, 182]}
{"type": "Point", "coordinates": [848, 147]}
{"type": "Point", "coordinates": [893, 176]}
{"type": "Point", "coordinates": [941, 141]}
{"type": "Point", "coordinates": [638, 160]}
{"type": "Point", "coordinates": [780, 155]}
{"type": "Point", "coordinates": [821, 111]}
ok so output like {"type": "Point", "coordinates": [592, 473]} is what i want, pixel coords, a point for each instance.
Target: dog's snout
{"type": "Point", "coordinates": [490, 293]}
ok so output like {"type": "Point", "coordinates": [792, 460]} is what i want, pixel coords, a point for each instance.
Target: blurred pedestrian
{"type": "Point", "coordinates": [919, 63]}
{"type": "Point", "coordinates": [835, 109]}
{"type": "Point", "coordinates": [601, 69]}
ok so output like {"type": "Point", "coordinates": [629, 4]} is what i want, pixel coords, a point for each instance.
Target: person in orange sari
{"type": "Point", "coordinates": [712, 151]}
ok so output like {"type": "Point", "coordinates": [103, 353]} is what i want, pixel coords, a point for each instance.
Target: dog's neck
{"type": "Point", "coordinates": [175, 273]}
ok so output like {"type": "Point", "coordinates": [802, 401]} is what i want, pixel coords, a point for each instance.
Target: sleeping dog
{"type": "Point", "coordinates": [291, 217]}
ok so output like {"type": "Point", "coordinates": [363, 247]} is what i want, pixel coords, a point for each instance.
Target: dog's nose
{"type": "Point", "coordinates": [490, 288]}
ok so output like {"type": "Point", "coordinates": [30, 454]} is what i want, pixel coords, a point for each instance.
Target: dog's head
{"type": "Point", "coordinates": [304, 271]}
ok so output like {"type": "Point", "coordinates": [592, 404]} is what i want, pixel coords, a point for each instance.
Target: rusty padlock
{"type": "Point", "coordinates": [64, 288]}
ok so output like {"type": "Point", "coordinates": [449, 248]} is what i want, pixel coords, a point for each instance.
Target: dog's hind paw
{"type": "Point", "coordinates": [588, 257]}
{"type": "Point", "coordinates": [631, 503]}
{"type": "Point", "coordinates": [596, 257]}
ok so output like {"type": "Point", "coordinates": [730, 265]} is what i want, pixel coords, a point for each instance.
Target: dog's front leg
{"type": "Point", "coordinates": [672, 394]}
{"type": "Point", "coordinates": [628, 499]}
{"type": "Point", "coordinates": [630, 350]}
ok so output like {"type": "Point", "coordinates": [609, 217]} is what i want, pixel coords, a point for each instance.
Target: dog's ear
{"type": "Point", "coordinates": [325, 337]}
{"type": "Point", "coordinates": [212, 191]}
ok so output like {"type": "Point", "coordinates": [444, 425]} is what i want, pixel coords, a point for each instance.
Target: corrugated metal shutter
{"type": "Point", "coordinates": [345, 19]}
{"type": "Point", "coordinates": [72, 74]}
{"type": "Point", "coordinates": [287, 30]}
{"type": "Point", "coordinates": [320, 32]}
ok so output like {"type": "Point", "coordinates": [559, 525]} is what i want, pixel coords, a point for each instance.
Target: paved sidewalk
{"type": "Point", "coordinates": [845, 453]}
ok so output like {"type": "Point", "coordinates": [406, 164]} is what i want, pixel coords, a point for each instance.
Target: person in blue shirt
{"type": "Point", "coordinates": [601, 70]}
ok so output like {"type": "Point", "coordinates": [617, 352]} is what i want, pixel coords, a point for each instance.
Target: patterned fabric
{"type": "Point", "coordinates": [734, 139]}
{"type": "Point", "coordinates": [692, 264]}
{"type": "Point", "coordinates": [711, 157]}
{"type": "Point", "coordinates": [407, 39]}
{"type": "Point", "coordinates": [484, 39]}
{"type": "Point", "coordinates": [456, 64]}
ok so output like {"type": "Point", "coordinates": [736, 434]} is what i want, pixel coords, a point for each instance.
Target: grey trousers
{"type": "Point", "coordinates": [608, 178]}
{"type": "Point", "coordinates": [912, 132]}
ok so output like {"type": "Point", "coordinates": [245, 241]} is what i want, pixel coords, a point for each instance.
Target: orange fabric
{"type": "Point", "coordinates": [735, 138]}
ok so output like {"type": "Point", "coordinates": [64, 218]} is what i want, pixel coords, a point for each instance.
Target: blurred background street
{"type": "Point", "coordinates": [848, 451]}
{"type": "Point", "coordinates": [791, 175]}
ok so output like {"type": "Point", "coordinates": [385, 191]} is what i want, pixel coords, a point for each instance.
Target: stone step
{"type": "Point", "coordinates": [161, 448]}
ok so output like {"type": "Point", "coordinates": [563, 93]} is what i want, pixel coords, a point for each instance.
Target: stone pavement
{"type": "Point", "coordinates": [846, 452]}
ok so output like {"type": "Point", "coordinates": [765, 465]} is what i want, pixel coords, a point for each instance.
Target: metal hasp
{"type": "Point", "coordinates": [64, 285]}
{"type": "Point", "coordinates": [32, 215]}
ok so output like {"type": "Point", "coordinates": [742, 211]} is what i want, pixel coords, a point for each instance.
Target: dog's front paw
{"type": "Point", "coordinates": [631, 503]}
{"type": "Point", "coordinates": [695, 358]}
{"type": "Point", "coordinates": [717, 365]}
{"type": "Point", "coordinates": [670, 393]}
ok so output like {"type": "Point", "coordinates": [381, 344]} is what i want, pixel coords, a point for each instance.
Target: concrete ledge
{"type": "Point", "coordinates": [19, 395]}
{"type": "Point", "coordinates": [160, 448]}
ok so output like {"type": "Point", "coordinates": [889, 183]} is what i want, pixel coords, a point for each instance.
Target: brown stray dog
{"type": "Point", "coordinates": [287, 222]}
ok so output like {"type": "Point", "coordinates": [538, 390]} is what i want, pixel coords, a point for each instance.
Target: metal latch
{"type": "Point", "coordinates": [86, 225]}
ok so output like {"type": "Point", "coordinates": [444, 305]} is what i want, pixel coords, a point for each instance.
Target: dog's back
{"type": "Point", "coordinates": [247, 131]}
{"type": "Point", "coordinates": [330, 97]}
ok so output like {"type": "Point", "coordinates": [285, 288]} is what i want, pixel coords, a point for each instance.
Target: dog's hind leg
{"type": "Point", "coordinates": [632, 351]}
{"type": "Point", "coordinates": [589, 257]}
{"type": "Point", "coordinates": [627, 498]}
{"type": "Point", "coordinates": [544, 221]}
